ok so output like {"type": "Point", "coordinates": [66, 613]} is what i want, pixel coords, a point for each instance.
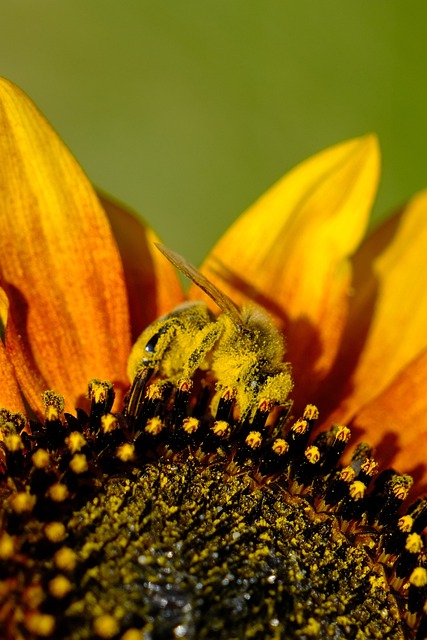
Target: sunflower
{"type": "Point", "coordinates": [200, 485]}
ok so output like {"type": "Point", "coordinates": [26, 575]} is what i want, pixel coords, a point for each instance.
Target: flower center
{"type": "Point", "coordinates": [184, 516]}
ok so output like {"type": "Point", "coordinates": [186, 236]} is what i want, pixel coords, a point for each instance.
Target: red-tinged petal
{"type": "Point", "coordinates": [10, 397]}
{"type": "Point", "coordinates": [152, 284]}
{"type": "Point", "coordinates": [388, 316]}
{"type": "Point", "coordinates": [289, 252]}
{"type": "Point", "coordinates": [396, 422]}
{"type": "Point", "coordinates": [60, 266]}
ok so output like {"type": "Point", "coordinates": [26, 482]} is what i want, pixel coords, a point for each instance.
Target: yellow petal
{"type": "Point", "coordinates": [289, 252]}
{"type": "Point", "coordinates": [10, 397]}
{"type": "Point", "coordinates": [396, 421]}
{"type": "Point", "coordinates": [388, 317]}
{"type": "Point", "coordinates": [60, 266]}
{"type": "Point", "coordinates": [152, 284]}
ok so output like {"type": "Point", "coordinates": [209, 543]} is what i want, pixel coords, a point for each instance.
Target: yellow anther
{"type": "Point", "coordinates": [418, 577]}
{"type": "Point", "coordinates": [190, 425]}
{"type": "Point", "coordinates": [55, 531]}
{"type": "Point", "coordinates": [221, 428]}
{"type": "Point", "coordinates": [185, 385]}
{"type": "Point", "coordinates": [131, 634]}
{"type": "Point", "coordinates": [7, 546]}
{"type": "Point", "coordinates": [53, 405]}
{"type": "Point", "coordinates": [300, 426]}
{"type": "Point", "coordinates": [357, 490]}
{"type": "Point", "coordinates": [99, 390]}
{"type": "Point", "coordinates": [347, 474]}
{"type": "Point", "coordinates": [312, 454]}
{"type": "Point", "coordinates": [78, 463]}
{"type": "Point", "coordinates": [253, 439]}
{"type": "Point", "coordinates": [13, 442]}
{"type": "Point", "coordinates": [108, 423]}
{"type": "Point", "coordinates": [22, 502]}
{"type": "Point", "coordinates": [40, 624]}
{"type": "Point", "coordinates": [75, 441]}
{"type": "Point", "coordinates": [370, 467]}
{"type": "Point", "coordinates": [58, 492]}
{"type": "Point", "coordinates": [126, 452]}
{"type": "Point", "coordinates": [60, 586]}
{"type": "Point", "coordinates": [342, 433]}
{"type": "Point", "coordinates": [405, 523]}
{"type": "Point", "coordinates": [311, 412]}
{"type": "Point", "coordinates": [154, 426]}
{"type": "Point", "coordinates": [65, 559]}
{"type": "Point", "coordinates": [266, 405]}
{"type": "Point", "coordinates": [400, 486]}
{"type": "Point", "coordinates": [414, 543]}
{"type": "Point", "coordinates": [105, 626]}
{"type": "Point", "coordinates": [40, 459]}
{"type": "Point", "coordinates": [280, 446]}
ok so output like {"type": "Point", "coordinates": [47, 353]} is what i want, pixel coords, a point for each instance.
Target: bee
{"type": "Point", "coordinates": [241, 351]}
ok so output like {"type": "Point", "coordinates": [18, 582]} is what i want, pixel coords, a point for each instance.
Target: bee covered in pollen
{"type": "Point", "coordinates": [240, 352]}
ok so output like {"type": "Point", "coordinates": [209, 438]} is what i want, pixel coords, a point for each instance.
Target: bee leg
{"type": "Point", "coordinates": [205, 341]}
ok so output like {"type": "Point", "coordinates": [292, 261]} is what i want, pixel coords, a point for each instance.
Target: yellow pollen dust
{"type": "Point", "coordinates": [22, 502]}
{"type": "Point", "coordinates": [418, 577]}
{"type": "Point", "coordinates": [7, 546]}
{"type": "Point", "coordinates": [312, 454]}
{"type": "Point", "coordinates": [126, 452]}
{"type": "Point", "coordinates": [311, 412]}
{"type": "Point", "coordinates": [190, 425]}
{"type": "Point", "coordinates": [220, 428]}
{"type": "Point", "coordinates": [55, 531]}
{"type": "Point", "coordinates": [357, 490]}
{"type": "Point", "coordinates": [414, 543]}
{"type": "Point", "coordinates": [78, 463]}
{"type": "Point", "coordinates": [105, 626]}
{"type": "Point", "coordinates": [253, 439]}
{"type": "Point", "coordinates": [108, 423]}
{"type": "Point", "coordinates": [65, 559]}
{"type": "Point", "coordinates": [13, 442]}
{"type": "Point", "coordinates": [280, 446]}
{"type": "Point", "coordinates": [58, 492]}
{"type": "Point", "coordinates": [154, 392]}
{"type": "Point", "coordinates": [154, 426]}
{"type": "Point", "coordinates": [60, 586]}
{"type": "Point", "coordinates": [41, 459]}
{"type": "Point", "coordinates": [405, 523]}
{"type": "Point", "coordinates": [40, 624]}
{"type": "Point", "coordinates": [75, 441]}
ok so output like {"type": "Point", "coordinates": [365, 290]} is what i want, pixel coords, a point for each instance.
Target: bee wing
{"type": "Point", "coordinates": [221, 299]}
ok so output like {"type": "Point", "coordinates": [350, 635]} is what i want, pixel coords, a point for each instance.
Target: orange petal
{"type": "Point", "coordinates": [10, 398]}
{"type": "Point", "coordinates": [60, 266]}
{"type": "Point", "coordinates": [289, 252]}
{"type": "Point", "coordinates": [388, 316]}
{"type": "Point", "coordinates": [396, 422]}
{"type": "Point", "coordinates": [152, 284]}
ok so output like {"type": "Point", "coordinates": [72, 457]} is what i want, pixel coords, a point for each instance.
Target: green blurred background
{"type": "Point", "coordinates": [188, 110]}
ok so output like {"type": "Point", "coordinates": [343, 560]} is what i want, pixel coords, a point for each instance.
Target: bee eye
{"type": "Point", "coordinates": [151, 344]}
